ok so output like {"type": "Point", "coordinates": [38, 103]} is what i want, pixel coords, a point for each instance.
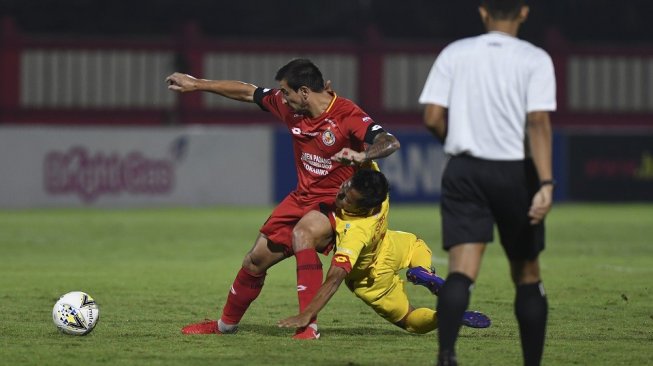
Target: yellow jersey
{"type": "Point", "coordinates": [358, 240]}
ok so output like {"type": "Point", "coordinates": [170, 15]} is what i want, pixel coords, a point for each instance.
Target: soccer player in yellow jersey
{"type": "Point", "coordinates": [368, 258]}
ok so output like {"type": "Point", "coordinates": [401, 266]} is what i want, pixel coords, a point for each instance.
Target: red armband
{"type": "Point", "coordinates": [342, 261]}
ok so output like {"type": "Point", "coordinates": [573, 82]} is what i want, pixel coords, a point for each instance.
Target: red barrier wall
{"type": "Point", "coordinates": [190, 46]}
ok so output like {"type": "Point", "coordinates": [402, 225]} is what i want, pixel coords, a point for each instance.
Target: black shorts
{"type": "Point", "coordinates": [478, 193]}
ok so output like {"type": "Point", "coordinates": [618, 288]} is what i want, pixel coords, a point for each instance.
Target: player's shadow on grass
{"type": "Point", "coordinates": [273, 330]}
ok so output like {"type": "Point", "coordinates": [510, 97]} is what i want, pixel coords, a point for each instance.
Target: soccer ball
{"type": "Point", "coordinates": [76, 313]}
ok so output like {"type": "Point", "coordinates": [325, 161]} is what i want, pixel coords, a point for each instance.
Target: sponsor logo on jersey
{"type": "Point", "coordinates": [315, 170]}
{"type": "Point", "coordinates": [317, 161]}
{"type": "Point", "coordinates": [367, 119]}
{"type": "Point", "coordinates": [301, 288]}
{"type": "Point", "coordinates": [316, 164]}
{"type": "Point", "coordinates": [330, 121]}
{"type": "Point", "coordinates": [342, 261]}
{"type": "Point", "coordinates": [298, 131]}
{"type": "Point", "coordinates": [328, 138]}
{"type": "Point", "coordinates": [340, 258]}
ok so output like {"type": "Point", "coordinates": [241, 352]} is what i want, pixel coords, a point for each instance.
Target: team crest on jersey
{"type": "Point", "coordinates": [328, 138]}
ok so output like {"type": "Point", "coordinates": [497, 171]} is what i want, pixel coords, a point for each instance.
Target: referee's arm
{"type": "Point", "coordinates": [435, 119]}
{"type": "Point", "coordinates": [539, 135]}
{"type": "Point", "coordinates": [539, 138]}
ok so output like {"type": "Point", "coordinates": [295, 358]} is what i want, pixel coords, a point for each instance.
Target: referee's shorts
{"type": "Point", "coordinates": [478, 193]}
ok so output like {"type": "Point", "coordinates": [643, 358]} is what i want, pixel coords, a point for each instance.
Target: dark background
{"type": "Point", "coordinates": [592, 21]}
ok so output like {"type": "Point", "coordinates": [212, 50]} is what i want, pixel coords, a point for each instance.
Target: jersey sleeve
{"type": "Point", "coordinates": [270, 100]}
{"type": "Point", "coordinates": [349, 248]}
{"type": "Point", "coordinates": [438, 84]}
{"type": "Point", "coordinates": [362, 127]}
{"type": "Point", "coordinates": [541, 92]}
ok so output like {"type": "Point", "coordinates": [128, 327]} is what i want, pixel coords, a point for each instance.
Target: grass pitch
{"type": "Point", "coordinates": [153, 271]}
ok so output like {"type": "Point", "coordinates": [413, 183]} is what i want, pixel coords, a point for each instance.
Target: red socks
{"type": "Point", "coordinates": [248, 286]}
{"type": "Point", "coordinates": [309, 276]}
{"type": "Point", "coordinates": [245, 289]}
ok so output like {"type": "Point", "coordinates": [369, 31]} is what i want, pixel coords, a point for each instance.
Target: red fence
{"type": "Point", "coordinates": [117, 81]}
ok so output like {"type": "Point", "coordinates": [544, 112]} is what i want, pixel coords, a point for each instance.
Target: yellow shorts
{"type": "Point", "coordinates": [380, 286]}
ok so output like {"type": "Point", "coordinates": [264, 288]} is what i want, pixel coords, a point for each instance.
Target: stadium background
{"type": "Point", "coordinates": [86, 119]}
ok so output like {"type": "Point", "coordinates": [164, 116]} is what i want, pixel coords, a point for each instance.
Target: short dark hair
{"type": "Point", "coordinates": [503, 9]}
{"type": "Point", "coordinates": [301, 72]}
{"type": "Point", "coordinates": [372, 185]}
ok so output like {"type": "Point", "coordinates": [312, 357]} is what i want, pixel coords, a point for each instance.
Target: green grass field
{"type": "Point", "coordinates": [153, 271]}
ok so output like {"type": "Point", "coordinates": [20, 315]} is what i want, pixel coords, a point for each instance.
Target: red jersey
{"type": "Point", "coordinates": [316, 140]}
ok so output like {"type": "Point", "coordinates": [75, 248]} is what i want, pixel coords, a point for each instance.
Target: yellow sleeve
{"type": "Point", "coordinates": [350, 243]}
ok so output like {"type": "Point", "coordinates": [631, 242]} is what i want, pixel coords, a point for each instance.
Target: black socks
{"type": "Point", "coordinates": [531, 309]}
{"type": "Point", "coordinates": [452, 303]}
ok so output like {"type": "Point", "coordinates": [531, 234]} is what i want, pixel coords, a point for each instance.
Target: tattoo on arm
{"type": "Point", "coordinates": [384, 145]}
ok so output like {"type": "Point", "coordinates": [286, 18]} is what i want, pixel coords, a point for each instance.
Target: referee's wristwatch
{"type": "Point", "coordinates": [548, 182]}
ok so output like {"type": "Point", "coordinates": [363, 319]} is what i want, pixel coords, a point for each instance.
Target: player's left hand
{"type": "Point", "coordinates": [297, 321]}
{"type": "Point", "coordinates": [541, 204]}
{"type": "Point", "coordinates": [348, 156]}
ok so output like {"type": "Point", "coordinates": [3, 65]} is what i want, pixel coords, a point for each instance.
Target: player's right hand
{"type": "Point", "coordinates": [181, 82]}
{"type": "Point", "coordinates": [298, 321]}
{"type": "Point", "coordinates": [348, 156]}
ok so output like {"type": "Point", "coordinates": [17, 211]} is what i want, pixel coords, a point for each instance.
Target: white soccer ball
{"type": "Point", "coordinates": [76, 313]}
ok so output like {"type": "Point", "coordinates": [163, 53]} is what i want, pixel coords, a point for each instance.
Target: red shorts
{"type": "Point", "coordinates": [279, 226]}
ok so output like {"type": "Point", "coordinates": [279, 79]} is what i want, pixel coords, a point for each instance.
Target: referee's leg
{"type": "Point", "coordinates": [464, 264]}
{"type": "Point", "coordinates": [531, 308]}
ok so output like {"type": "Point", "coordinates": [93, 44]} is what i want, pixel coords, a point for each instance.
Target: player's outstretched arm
{"type": "Point", "coordinates": [231, 89]}
{"type": "Point", "coordinates": [334, 278]}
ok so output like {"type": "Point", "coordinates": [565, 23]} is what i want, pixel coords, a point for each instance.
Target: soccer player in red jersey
{"type": "Point", "coordinates": [331, 136]}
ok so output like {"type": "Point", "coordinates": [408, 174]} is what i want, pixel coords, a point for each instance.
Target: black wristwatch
{"type": "Point", "coordinates": [547, 182]}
